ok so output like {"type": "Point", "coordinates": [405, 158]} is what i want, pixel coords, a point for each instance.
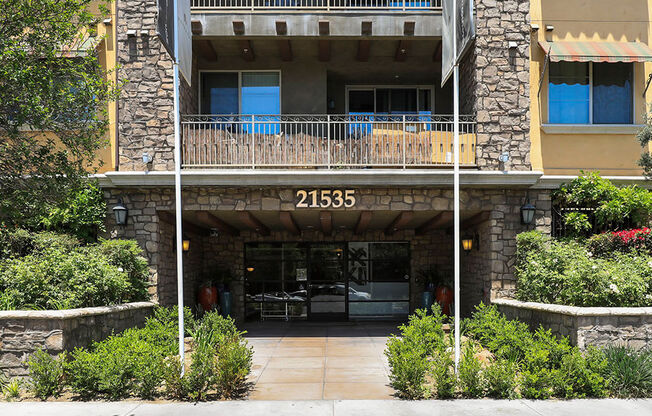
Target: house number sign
{"type": "Point", "coordinates": [325, 198]}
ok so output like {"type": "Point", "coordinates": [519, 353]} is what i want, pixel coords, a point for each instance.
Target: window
{"type": "Point", "coordinates": [240, 93]}
{"type": "Point", "coordinates": [390, 100]}
{"type": "Point", "coordinates": [590, 93]}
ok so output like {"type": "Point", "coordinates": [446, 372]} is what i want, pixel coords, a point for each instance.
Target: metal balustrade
{"type": "Point", "coordinates": [339, 5]}
{"type": "Point", "coordinates": [324, 141]}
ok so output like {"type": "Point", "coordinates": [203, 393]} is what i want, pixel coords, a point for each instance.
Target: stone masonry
{"type": "Point", "coordinates": [495, 83]}
{"type": "Point", "coordinates": [599, 327]}
{"type": "Point", "coordinates": [488, 271]}
{"type": "Point", "coordinates": [23, 332]}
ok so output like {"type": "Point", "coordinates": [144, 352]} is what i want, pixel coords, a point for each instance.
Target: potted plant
{"type": "Point", "coordinates": [207, 295]}
{"type": "Point", "coordinates": [437, 285]}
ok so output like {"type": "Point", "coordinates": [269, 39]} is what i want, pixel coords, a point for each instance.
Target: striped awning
{"type": "Point", "coordinates": [597, 51]}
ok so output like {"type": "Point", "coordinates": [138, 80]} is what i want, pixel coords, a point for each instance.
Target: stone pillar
{"type": "Point", "coordinates": [495, 83]}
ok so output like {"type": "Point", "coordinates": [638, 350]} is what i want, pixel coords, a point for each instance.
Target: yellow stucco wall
{"type": "Point", "coordinates": [579, 20]}
{"type": "Point", "coordinates": [107, 55]}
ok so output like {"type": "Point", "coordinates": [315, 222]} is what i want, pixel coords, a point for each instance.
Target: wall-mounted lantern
{"type": "Point", "coordinates": [467, 243]}
{"type": "Point", "coordinates": [527, 212]}
{"type": "Point", "coordinates": [120, 212]}
{"type": "Point", "coordinates": [185, 244]}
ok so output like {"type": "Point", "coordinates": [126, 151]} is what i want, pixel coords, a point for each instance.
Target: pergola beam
{"type": "Point", "coordinates": [363, 222]}
{"type": "Point", "coordinates": [189, 227]}
{"type": "Point", "coordinates": [288, 222]}
{"type": "Point", "coordinates": [214, 222]}
{"type": "Point", "coordinates": [253, 223]}
{"type": "Point", "coordinates": [441, 220]}
{"type": "Point", "coordinates": [326, 220]}
{"type": "Point", "coordinates": [399, 222]}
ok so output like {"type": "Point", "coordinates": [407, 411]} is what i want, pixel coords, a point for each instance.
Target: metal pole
{"type": "Point", "coordinates": [456, 191]}
{"type": "Point", "coordinates": [177, 186]}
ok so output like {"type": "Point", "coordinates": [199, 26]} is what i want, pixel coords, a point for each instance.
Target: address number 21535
{"type": "Point", "coordinates": [326, 198]}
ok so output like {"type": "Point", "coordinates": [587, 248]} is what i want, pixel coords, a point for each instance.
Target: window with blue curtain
{"type": "Point", "coordinates": [569, 93]}
{"type": "Point", "coordinates": [261, 95]}
{"type": "Point", "coordinates": [612, 93]}
{"type": "Point", "coordinates": [219, 93]}
{"type": "Point", "coordinates": [584, 93]}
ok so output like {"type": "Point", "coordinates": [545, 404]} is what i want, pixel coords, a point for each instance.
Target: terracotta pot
{"type": "Point", "coordinates": [207, 297]}
{"type": "Point", "coordinates": [444, 296]}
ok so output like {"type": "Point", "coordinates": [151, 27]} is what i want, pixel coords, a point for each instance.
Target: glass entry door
{"type": "Point", "coordinates": [327, 283]}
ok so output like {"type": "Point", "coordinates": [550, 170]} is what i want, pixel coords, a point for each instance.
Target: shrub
{"type": "Point", "coordinates": [442, 371]}
{"type": "Point", "coordinates": [501, 379]}
{"type": "Point", "coordinates": [471, 375]}
{"type": "Point", "coordinates": [625, 241]}
{"type": "Point", "coordinates": [566, 272]}
{"type": "Point", "coordinates": [20, 242]}
{"type": "Point", "coordinates": [46, 373]}
{"type": "Point", "coordinates": [12, 389]}
{"type": "Point", "coordinates": [408, 354]}
{"type": "Point", "coordinates": [233, 366]}
{"type": "Point", "coordinates": [57, 274]}
{"type": "Point", "coordinates": [629, 371]}
{"type": "Point", "coordinates": [580, 376]}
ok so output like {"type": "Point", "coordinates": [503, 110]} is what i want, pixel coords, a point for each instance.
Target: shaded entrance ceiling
{"type": "Point", "coordinates": [328, 222]}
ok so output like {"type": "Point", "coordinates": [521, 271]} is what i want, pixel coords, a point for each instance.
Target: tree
{"type": "Point", "coordinates": [644, 137]}
{"type": "Point", "coordinates": [54, 98]}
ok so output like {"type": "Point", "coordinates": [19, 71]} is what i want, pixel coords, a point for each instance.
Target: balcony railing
{"type": "Point", "coordinates": [324, 141]}
{"type": "Point", "coordinates": [316, 5]}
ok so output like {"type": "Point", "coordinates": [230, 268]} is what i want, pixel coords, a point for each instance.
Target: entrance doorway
{"type": "Point", "coordinates": [327, 281]}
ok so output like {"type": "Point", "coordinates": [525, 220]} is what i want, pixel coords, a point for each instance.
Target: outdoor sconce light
{"type": "Point", "coordinates": [120, 212]}
{"type": "Point", "coordinates": [250, 269]}
{"type": "Point", "coordinates": [185, 244]}
{"type": "Point", "coordinates": [467, 244]}
{"type": "Point", "coordinates": [527, 212]}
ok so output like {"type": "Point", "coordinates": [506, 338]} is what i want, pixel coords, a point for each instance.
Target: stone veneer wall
{"type": "Point", "coordinates": [495, 83]}
{"type": "Point", "coordinates": [585, 326]}
{"type": "Point", "coordinates": [22, 332]}
{"type": "Point", "coordinates": [487, 272]}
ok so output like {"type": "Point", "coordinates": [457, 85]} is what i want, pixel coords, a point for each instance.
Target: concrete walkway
{"type": "Point", "coordinates": [313, 361]}
{"type": "Point", "coordinates": [337, 408]}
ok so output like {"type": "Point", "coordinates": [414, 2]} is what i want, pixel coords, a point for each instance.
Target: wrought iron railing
{"type": "Point", "coordinates": [324, 141]}
{"type": "Point", "coordinates": [338, 5]}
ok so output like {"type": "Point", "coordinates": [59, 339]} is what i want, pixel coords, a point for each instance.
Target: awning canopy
{"type": "Point", "coordinates": [597, 51]}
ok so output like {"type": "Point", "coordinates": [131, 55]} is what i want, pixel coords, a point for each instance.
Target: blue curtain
{"type": "Point", "coordinates": [261, 94]}
{"type": "Point", "coordinates": [569, 93]}
{"type": "Point", "coordinates": [220, 93]}
{"type": "Point", "coordinates": [612, 93]}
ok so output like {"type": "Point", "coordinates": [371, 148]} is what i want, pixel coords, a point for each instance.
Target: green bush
{"type": "Point", "coordinates": [21, 242]}
{"type": "Point", "coordinates": [442, 371]}
{"type": "Point", "coordinates": [471, 374]}
{"type": "Point", "coordinates": [566, 272]}
{"type": "Point", "coordinates": [233, 366]}
{"type": "Point", "coordinates": [56, 273]}
{"type": "Point", "coordinates": [501, 379]}
{"type": "Point", "coordinates": [46, 374]}
{"type": "Point", "coordinates": [629, 371]}
{"type": "Point", "coordinates": [408, 354]}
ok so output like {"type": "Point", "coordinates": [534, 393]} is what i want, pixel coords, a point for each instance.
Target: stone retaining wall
{"type": "Point", "coordinates": [22, 332]}
{"type": "Point", "coordinates": [585, 326]}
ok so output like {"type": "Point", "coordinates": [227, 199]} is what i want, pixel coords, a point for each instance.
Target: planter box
{"type": "Point", "coordinates": [22, 332]}
{"type": "Point", "coordinates": [585, 326]}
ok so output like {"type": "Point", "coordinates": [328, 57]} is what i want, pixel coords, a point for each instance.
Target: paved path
{"type": "Point", "coordinates": [338, 408]}
{"type": "Point", "coordinates": [312, 361]}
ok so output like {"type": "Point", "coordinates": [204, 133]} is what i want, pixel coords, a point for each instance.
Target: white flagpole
{"type": "Point", "coordinates": [177, 185]}
{"type": "Point", "coordinates": [456, 190]}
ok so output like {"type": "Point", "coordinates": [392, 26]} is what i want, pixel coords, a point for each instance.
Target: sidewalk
{"type": "Point", "coordinates": [607, 407]}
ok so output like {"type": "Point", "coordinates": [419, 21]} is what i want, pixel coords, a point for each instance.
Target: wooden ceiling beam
{"type": "Point", "coordinates": [206, 50]}
{"type": "Point", "coordinates": [214, 222]}
{"type": "Point", "coordinates": [475, 220]}
{"type": "Point", "coordinates": [169, 218]}
{"type": "Point", "coordinates": [326, 221]}
{"type": "Point", "coordinates": [288, 222]}
{"type": "Point", "coordinates": [238, 27]}
{"type": "Point", "coordinates": [402, 51]}
{"type": "Point", "coordinates": [253, 223]}
{"type": "Point", "coordinates": [196, 27]}
{"type": "Point", "coordinates": [399, 222]}
{"type": "Point", "coordinates": [324, 50]}
{"type": "Point", "coordinates": [440, 220]}
{"type": "Point", "coordinates": [363, 222]}
{"type": "Point", "coordinates": [363, 50]}
{"type": "Point", "coordinates": [285, 49]}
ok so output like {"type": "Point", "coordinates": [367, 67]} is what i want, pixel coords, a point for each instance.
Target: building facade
{"type": "Point", "coordinates": [317, 145]}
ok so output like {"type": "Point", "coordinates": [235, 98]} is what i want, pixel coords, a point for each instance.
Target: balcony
{"type": "Point", "coordinates": [316, 5]}
{"type": "Point", "coordinates": [324, 141]}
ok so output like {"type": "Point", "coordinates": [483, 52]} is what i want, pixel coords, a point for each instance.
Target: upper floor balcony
{"type": "Point", "coordinates": [316, 5]}
{"type": "Point", "coordinates": [325, 141]}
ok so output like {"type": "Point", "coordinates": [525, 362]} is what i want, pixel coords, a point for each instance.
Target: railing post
{"type": "Point", "coordinates": [253, 145]}
{"type": "Point", "coordinates": [403, 5]}
{"type": "Point", "coordinates": [404, 140]}
{"type": "Point", "coordinates": [328, 138]}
